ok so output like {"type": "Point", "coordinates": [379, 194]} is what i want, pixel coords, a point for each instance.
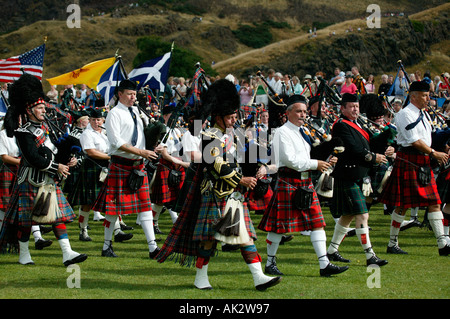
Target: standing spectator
{"type": "Point", "coordinates": [348, 86]}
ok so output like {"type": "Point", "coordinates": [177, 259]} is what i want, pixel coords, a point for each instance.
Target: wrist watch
{"type": "Point", "coordinates": [432, 151]}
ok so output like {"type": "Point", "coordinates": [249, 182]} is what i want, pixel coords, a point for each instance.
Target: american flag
{"type": "Point", "coordinates": [31, 62]}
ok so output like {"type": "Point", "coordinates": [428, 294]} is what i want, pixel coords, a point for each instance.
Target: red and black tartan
{"type": "Point", "coordinates": [116, 198]}
{"type": "Point", "coordinates": [402, 189]}
{"type": "Point", "coordinates": [282, 217]}
{"type": "Point", "coordinates": [162, 193]}
{"type": "Point", "coordinates": [443, 185]}
{"type": "Point", "coordinates": [8, 178]}
{"type": "Point", "coordinates": [261, 203]}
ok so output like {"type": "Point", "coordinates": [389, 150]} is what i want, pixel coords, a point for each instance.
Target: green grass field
{"type": "Point", "coordinates": [422, 274]}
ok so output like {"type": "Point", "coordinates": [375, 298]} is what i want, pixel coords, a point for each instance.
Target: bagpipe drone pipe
{"type": "Point", "coordinates": [276, 106]}
{"type": "Point", "coordinates": [68, 146]}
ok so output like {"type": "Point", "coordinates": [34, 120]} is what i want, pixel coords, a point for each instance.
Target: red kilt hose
{"type": "Point", "coordinates": [8, 175]}
{"type": "Point", "coordinates": [281, 216]}
{"type": "Point", "coordinates": [162, 193]}
{"type": "Point", "coordinates": [403, 189]}
{"type": "Point", "coordinates": [115, 197]}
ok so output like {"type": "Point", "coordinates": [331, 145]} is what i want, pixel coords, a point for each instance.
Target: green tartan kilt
{"type": "Point", "coordinates": [348, 198]}
{"type": "Point", "coordinates": [209, 214]}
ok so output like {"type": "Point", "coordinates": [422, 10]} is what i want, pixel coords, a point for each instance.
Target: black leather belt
{"type": "Point", "coordinates": [126, 161]}
{"type": "Point", "coordinates": [410, 150]}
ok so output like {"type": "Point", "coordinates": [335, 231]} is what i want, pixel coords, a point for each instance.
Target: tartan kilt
{"type": "Point", "coordinates": [403, 189]}
{"type": "Point", "coordinates": [209, 214]}
{"type": "Point", "coordinates": [282, 217]}
{"type": "Point", "coordinates": [87, 187]}
{"type": "Point", "coordinates": [259, 204]}
{"type": "Point", "coordinates": [348, 198]}
{"type": "Point", "coordinates": [161, 192]}
{"type": "Point", "coordinates": [188, 179]}
{"type": "Point", "coordinates": [22, 203]}
{"type": "Point", "coordinates": [443, 185]}
{"type": "Point", "coordinates": [116, 198]}
{"type": "Point", "coordinates": [8, 176]}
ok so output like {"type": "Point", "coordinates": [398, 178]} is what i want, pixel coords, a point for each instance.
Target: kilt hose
{"type": "Point", "coordinates": [403, 189]}
{"type": "Point", "coordinates": [281, 216]}
{"type": "Point", "coordinates": [8, 176]}
{"type": "Point", "coordinates": [348, 198]}
{"type": "Point", "coordinates": [116, 197]}
{"type": "Point", "coordinates": [163, 193]}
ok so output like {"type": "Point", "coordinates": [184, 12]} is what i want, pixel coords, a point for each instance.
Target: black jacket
{"type": "Point", "coordinates": [354, 163]}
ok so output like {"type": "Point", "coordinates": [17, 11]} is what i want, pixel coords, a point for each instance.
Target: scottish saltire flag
{"type": "Point", "coordinates": [30, 62]}
{"type": "Point", "coordinates": [153, 73]}
{"type": "Point", "coordinates": [109, 80]}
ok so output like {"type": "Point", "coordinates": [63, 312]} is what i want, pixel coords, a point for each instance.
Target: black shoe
{"type": "Point", "coordinates": [84, 236]}
{"type": "Point", "coordinates": [157, 230]}
{"type": "Point", "coordinates": [78, 259]}
{"type": "Point", "coordinates": [351, 233]}
{"type": "Point", "coordinates": [413, 223]}
{"type": "Point", "coordinates": [109, 252]}
{"type": "Point", "coordinates": [154, 253]}
{"type": "Point", "coordinates": [270, 283]}
{"type": "Point", "coordinates": [272, 269]}
{"type": "Point", "coordinates": [125, 227]}
{"type": "Point", "coordinates": [44, 230]}
{"type": "Point", "coordinates": [259, 212]}
{"type": "Point", "coordinates": [336, 256]}
{"type": "Point", "coordinates": [396, 250]}
{"type": "Point", "coordinates": [42, 243]}
{"type": "Point", "coordinates": [374, 260]}
{"type": "Point", "coordinates": [444, 251]}
{"type": "Point", "coordinates": [331, 269]}
{"type": "Point", "coordinates": [286, 239]}
{"type": "Point", "coordinates": [120, 237]}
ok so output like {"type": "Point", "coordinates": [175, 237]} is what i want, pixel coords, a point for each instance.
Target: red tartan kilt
{"type": "Point", "coordinates": [282, 217]}
{"type": "Point", "coordinates": [116, 198]}
{"type": "Point", "coordinates": [259, 204]}
{"type": "Point", "coordinates": [402, 189]}
{"type": "Point", "coordinates": [8, 175]}
{"type": "Point", "coordinates": [162, 193]}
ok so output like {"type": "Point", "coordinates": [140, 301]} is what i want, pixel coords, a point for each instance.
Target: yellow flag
{"type": "Point", "coordinates": [89, 74]}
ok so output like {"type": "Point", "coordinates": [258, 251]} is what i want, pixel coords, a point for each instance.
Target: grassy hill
{"type": "Point", "coordinates": [213, 37]}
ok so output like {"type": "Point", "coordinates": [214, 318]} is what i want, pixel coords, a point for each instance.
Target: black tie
{"type": "Point", "coordinates": [413, 125]}
{"type": "Point", "coordinates": [305, 136]}
{"type": "Point", "coordinates": [135, 131]}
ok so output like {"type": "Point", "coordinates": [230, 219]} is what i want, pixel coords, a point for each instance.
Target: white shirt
{"type": "Point", "coordinates": [422, 131]}
{"type": "Point", "coordinates": [91, 139]}
{"type": "Point", "coordinates": [173, 142]}
{"type": "Point", "coordinates": [291, 150]}
{"type": "Point", "coordinates": [8, 145]}
{"type": "Point", "coordinates": [119, 129]}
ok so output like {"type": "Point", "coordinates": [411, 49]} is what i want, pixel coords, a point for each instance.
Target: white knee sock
{"type": "Point", "coordinates": [437, 224]}
{"type": "Point", "coordinates": [157, 209]}
{"type": "Point", "coordinates": [109, 229]}
{"type": "Point", "coordinates": [273, 242]}
{"type": "Point", "coordinates": [36, 231]}
{"type": "Point", "coordinates": [319, 242]}
{"type": "Point", "coordinates": [364, 239]}
{"type": "Point", "coordinates": [338, 236]}
{"type": "Point", "coordinates": [396, 222]}
{"type": "Point", "coordinates": [173, 216]}
{"type": "Point", "coordinates": [84, 219]}
{"type": "Point", "coordinates": [147, 225]}
{"type": "Point", "coordinates": [2, 217]}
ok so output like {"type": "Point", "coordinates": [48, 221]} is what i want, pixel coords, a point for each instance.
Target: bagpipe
{"type": "Point", "coordinates": [276, 107]}
{"type": "Point", "coordinates": [68, 146]}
